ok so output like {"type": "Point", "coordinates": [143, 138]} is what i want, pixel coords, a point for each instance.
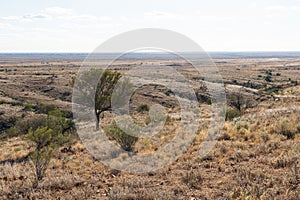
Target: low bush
{"type": "Point", "coordinates": [54, 120]}
{"type": "Point", "coordinates": [142, 108]}
{"type": "Point", "coordinates": [232, 113]}
{"type": "Point", "coordinates": [286, 128]}
{"type": "Point", "coordinates": [268, 78]}
{"type": "Point", "coordinates": [41, 108]}
{"type": "Point", "coordinates": [6, 123]}
{"type": "Point", "coordinates": [22, 126]}
{"type": "Point", "coordinates": [28, 107]}
{"type": "Point", "coordinates": [44, 140]}
{"type": "Point", "coordinates": [125, 140]}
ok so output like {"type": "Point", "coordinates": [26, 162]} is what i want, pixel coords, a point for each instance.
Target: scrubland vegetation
{"type": "Point", "coordinates": [256, 155]}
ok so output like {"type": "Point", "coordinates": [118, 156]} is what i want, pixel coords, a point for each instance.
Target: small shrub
{"type": "Point", "coordinates": [286, 128]}
{"type": "Point", "coordinates": [232, 113]}
{"type": "Point", "coordinates": [237, 100]}
{"type": "Point", "coordinates": [142, 108]}
{"type": "Point", "coordinates": [6, 124]}
{"type": "Point", "coordinates": [148, 120]}
{"type": "Point", "coordinates": [169, 119]}
{"type": "Point", "coordinates": [269, 72]}
{"type": "Point", "coordinates": [22, 126]}
{"type": "Point", "coordinates": [208, 101]}
{"type": "Point", "coordinates": [3, 102]}
{"type": "Point", "coordinates": [224, 136]}
{"type": "Point", "coordinates": [44, 108]}
{"type": "Point", "coordinates": [17, 149]}
{"type": "Point", "coordinates": [268, 78]}
{"type": "Point", "coordinates": [43, 140]}
{"type": "Point", "coordinates": [125, 140]}
{"type": "Point", "coordinates": [55, 120]}
{"type": "Point", "coordinates": [28, 107]}
{"type": "Point", "coordinates": [16, 103]}
{"type": "Point", "coordinates": [242, 125]}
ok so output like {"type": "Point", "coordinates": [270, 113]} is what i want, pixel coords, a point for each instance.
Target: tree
{"type": "Point", "coordinates": [106, 81]}
{"type": "Point", "coordinates": [104, 92]}
{"type": "Point", "coordinates": [237, 100]}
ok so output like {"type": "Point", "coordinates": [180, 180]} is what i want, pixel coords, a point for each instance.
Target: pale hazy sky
{"type": "Point", "coordinates": [81, 25]}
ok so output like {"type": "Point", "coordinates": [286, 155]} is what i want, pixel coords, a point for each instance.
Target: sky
{"type": "Point", "coordinates": [82, 25]}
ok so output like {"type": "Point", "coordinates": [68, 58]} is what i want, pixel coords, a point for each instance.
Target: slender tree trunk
{"type": "Point", "coordinates": [97, 121]}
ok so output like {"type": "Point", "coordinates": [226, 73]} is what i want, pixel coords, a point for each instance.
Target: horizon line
{"type": "Point", "coordinates": [66, 52]}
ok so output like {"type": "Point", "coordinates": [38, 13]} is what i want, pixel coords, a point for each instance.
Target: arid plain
{"type": "Point", "coordinates": [256, 155]}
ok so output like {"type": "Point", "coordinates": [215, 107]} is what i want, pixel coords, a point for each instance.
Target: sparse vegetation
{"type": "Point", "coordinates": [125, 140]}
{"type": "Point", "coordinates": [54, 120]}
{"type": "Point", "coordinates": [43, 139]}
{"type": "Point", "coordinates": [237, 100]}
{"type": "Point", "coordinates": [232, 113]}
{"type": "Point", "coordinates": [106, 83]}
{"type": "Point", "coordinates": [286, 128]}
{"type": "Point", "coordinates": [42, 108]}
{"type": "Point", "coordinates": [268, 78]}
{"type": "Point", "coordinates": [143, 108]}
{"type": "Point", "coordinates": [193, 179]}
{"type": "Point", "coordinates": [257, 151]}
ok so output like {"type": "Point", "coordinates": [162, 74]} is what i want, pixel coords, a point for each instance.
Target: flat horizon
{"type": "Point", "coordinates": [43, 52]}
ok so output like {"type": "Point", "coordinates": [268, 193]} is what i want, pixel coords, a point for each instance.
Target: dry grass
{"type": "Point", "coordinates": [255, 157]}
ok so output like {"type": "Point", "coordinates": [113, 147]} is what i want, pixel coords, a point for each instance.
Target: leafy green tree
{"type": "Point", "coordinates": [104, 92]}
{"type": "Point", "coordinates": [106, 81]}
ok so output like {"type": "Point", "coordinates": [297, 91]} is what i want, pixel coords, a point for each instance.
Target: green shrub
{"type": "Point", "coordinates": [286, 128]}
{"type": "Point", "coordinates": [16, 103]}
{"type": "Point", "coordinates": [269, 72]}
{"type": "Point", "coordinates": [28, 107]}
{"type": "Point", "coordinates": [22, 126]}
{"type": "Point", "coordinates": [232, 113]}
{"type": "Point", "coordinates": [44, 108]}
{"type": "Point", "coordinates": [17, 149]}
{"type": "Point", "coordinates": [3, 102]}
{"type": "Point", "coordinates": [237, 100]}
{"type": "Point", "coordinates": [107, 84]}
{"type": "Point", "coordinates": [169, 119]}
{"type": "Point", "coordinates": [54, 120]}
{"type": "Point", "coordinates": [268, 78]}
{"type": "Point", "coordinates": [125, 140]}
{"type": "Point", "coordinates": [208, 101]}
{"type": "Point", "coordinates": [143, 108]}
{"type": "Point", "coordinates": [6, 123]}
{"type": "Point", "coordinates": [43, 139]}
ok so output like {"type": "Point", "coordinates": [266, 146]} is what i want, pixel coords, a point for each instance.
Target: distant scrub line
{"type": "Point", "coordinates": [46, 115]}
